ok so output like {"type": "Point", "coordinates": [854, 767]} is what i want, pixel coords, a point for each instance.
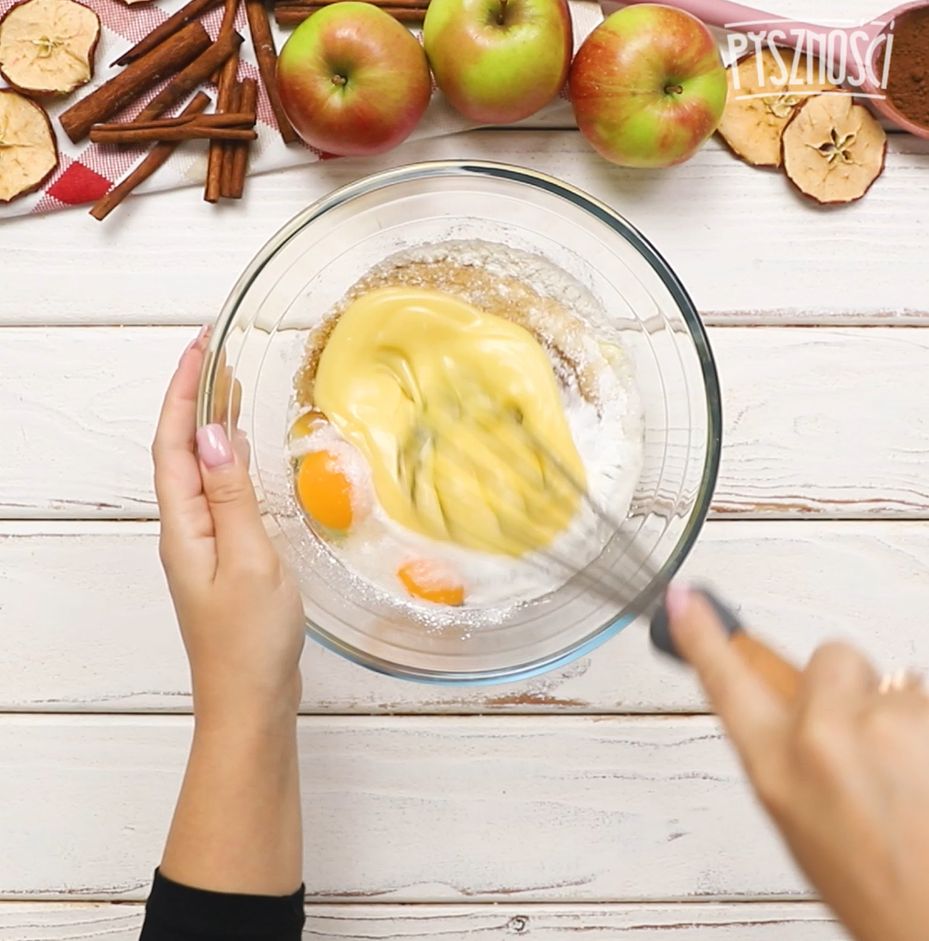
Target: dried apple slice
{"type": "Point", "coordinates": [47, 46]}
{"type": "Point", "coordinates": [760, 104]}
{"type": "Point", "coordinates": [28, 152]}
{"type": "Point", "coordinates": [833, 149]}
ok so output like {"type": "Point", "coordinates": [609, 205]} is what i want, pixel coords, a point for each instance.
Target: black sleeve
{"type": "Point", "coordinates": [179, 913]}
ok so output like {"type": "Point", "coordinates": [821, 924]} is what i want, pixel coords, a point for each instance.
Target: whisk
{"type": "Point", "coordinates": [523, 488]}
{"type": "Point", "coordinates": [624, 574]}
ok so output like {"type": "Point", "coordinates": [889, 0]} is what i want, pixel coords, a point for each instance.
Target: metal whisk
{"type": "Point", "coordinates": [477, 429]}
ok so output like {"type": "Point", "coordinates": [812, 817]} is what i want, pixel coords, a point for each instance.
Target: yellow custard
{"type": "Point", "coordinates": [459, 416]}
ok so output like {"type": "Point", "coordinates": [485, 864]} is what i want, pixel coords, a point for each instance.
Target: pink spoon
{"type": "Point", "coordinates": [741, 18]}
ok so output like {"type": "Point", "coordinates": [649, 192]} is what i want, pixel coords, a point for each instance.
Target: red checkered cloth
{"type": "Point", "coordinates": [86, 171]}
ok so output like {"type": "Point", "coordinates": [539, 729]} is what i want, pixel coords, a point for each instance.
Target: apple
{"type": "Point", "coordinates": [353, 80]}
{"type": "Point", "coordinates": [648, 86]}
{"type": "Point", "coordinates": [498, 61]}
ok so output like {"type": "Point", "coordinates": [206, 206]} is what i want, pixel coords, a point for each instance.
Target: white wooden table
{"type": "Point", "coordinates": [598, 800]}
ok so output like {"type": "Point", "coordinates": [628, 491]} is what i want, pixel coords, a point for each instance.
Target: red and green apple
{"type": "Point", "coordinates": [648, 86]}
{"type": "Point", "coordinates": [498, 61]}
{"type": "Point", "coordinates": [353, 80]}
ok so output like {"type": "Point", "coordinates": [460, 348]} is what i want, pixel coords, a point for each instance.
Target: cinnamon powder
{"type": "Point", "coordinates": [908, 78]}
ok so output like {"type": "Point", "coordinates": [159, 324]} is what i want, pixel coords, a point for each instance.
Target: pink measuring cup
{"type": "Point", "coordinates": [742, 18]}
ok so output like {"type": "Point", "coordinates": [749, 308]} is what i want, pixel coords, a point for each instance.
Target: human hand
{"type": "Point", "coordinates": [237, 604]}
{"type": "Point", "coordinates": [843, 770]}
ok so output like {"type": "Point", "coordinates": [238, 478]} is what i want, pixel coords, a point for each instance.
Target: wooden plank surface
{"type": "Point", "coordinates": [559, 818]}
{"type": "Point", "coordinates": [798, 921]}
{"type": "Point", "coordinates": [104, 639]}
{"type": "Point", "coordinates": [823, 422]}
{"type": "Point", "coordinates": [747, 248]}
{"type": "Point", "coordinates": [438, 809]}
{"type": "Point", "coordinates": [827, 422]}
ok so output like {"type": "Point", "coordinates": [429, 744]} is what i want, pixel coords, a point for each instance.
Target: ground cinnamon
{"type": "Point", "coordinates": [157, 156]}
{"type": "Point", "coordinates": [908, 84]}
{"type": "Point", "coordinates": [139, 76]}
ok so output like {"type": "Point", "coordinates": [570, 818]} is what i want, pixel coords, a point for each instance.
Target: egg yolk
{"type": "Point", "coordinates": [307, 423]}
{"type": "Point", "coordinates": [431, 581]}
{"type": "Point", "coordinates": [324, 491]}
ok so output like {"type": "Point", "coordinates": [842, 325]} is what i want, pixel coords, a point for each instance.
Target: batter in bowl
{"type": "Point", "coordinates": [448, 415]}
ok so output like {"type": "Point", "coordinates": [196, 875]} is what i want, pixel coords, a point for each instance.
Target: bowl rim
{"type": "Point", "coordinates": [619, 224]}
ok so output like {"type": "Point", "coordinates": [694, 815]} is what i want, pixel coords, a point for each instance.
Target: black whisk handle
{"type": "Point", "coordinates": [660, 630]}
{"type": "Point", "coordinates": [778, 674]}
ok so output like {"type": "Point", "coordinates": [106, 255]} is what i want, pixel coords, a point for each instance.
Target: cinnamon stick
{"type": "Point", "coordinates": [239, 162]}
{"type": "Point", "coordinates": [165, 59]}
{"type": "Point", "coordinates": [155, 158]}
{"type": "Point", "coordinates": [191, 131]}
{"type": "Point", "coordinates": [225, 183]}
{"type": "Point", "coordinates": [227, 26]}
{"type": "Point", "coordinates": [187, 13]}
{"type": "Point", "coordinates": [214, 169]}
{"type": "Point", "coordinates": [231, 119]}
{"type": "Point", "coordinates": [263, 41]}
{"type": "Point", "coordinates": [287, 15]}
{"type": "Point", "coordinates": [231, 8]}
{"type": "Point", "coordinates": [192, 76]}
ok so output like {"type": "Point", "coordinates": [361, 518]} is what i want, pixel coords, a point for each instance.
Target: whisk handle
{"type": "Point", "coordinates": [781, 676]}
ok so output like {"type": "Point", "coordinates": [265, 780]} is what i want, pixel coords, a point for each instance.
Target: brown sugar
{"type": "Point", "coordinates": [908, 77]}
{"type": "Point", "coordinates": [509, 298]}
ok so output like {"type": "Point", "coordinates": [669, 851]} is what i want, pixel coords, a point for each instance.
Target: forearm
{"type": "Point", "coordinates": [237, 824]}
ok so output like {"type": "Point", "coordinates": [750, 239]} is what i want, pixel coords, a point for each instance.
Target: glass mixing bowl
{"type": "Point", "coordinates": [259, 341]}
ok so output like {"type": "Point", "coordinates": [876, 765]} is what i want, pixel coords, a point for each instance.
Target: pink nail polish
{"type": "Point", "coordinates": [213, 446]}
{"type": "Point", "coordinates": [195, 341]}
{"type": "Point", "coordinates": [677, 599]}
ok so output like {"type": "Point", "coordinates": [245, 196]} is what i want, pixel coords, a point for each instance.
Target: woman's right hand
{"type": "Point", "coordinates": [843, 771]}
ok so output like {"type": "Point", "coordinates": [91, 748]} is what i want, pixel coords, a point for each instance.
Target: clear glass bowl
{"type": "Point", "coordinates": [306, 268]}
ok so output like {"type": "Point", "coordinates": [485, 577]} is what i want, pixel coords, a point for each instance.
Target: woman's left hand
{"type": "Point", "coordinates": [237, 604]}
{"type": "Point", "coordinates": [237, 825]}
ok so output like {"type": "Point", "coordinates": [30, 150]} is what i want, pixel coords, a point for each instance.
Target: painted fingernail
{"type": "Point", "coordinates": [213, 446]}
{"type": "Point", "coordinates": [727, 617]}
{"type": "Point", "coordinates": [195, 341]}
{"type": "Point", "coordinates": [677, 599]}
